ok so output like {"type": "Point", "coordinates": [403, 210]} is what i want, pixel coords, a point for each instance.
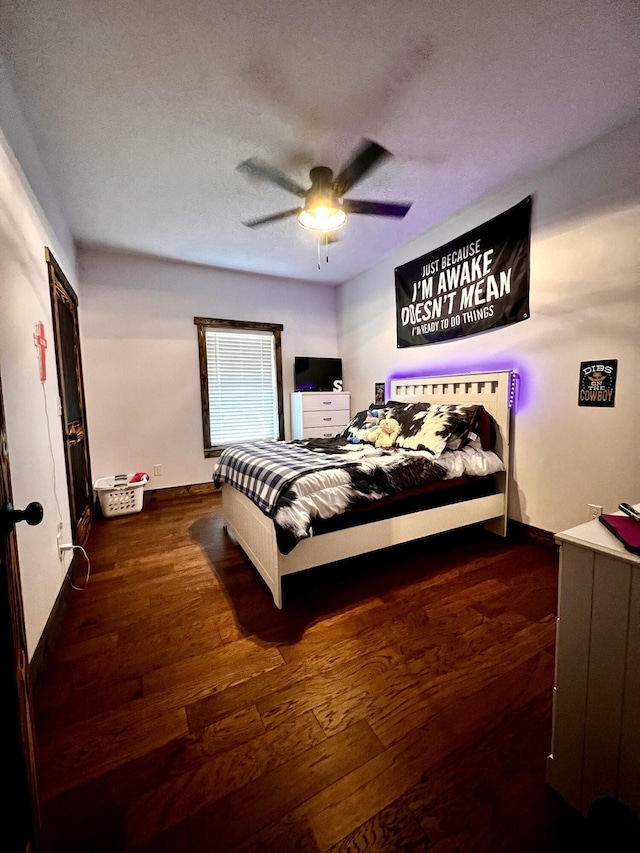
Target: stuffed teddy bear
{"type": "Point", "coordinates": [389, 431]}
{"type": "Point", "coordinates": [371, 435]}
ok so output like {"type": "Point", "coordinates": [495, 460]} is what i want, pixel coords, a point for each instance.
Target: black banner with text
{"type": "Point", "coordinates": [479, 281]}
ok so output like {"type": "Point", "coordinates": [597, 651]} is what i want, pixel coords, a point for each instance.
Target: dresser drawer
{"type": "Point", "coordinates": [322, 432]}
{"type": "Point", "coordinates": [318, 402]}
{"type": "Point", "coordinates": [327, 418]}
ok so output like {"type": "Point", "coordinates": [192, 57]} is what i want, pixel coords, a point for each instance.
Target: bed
{"type": "Point", "coordinates": [255, 531]}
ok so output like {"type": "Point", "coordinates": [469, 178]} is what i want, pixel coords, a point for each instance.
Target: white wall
{"type": "Point", "coordinates": [585, 304]}
{"type": "Point", "coordinates": [35, 447]}
{"type": "Point", "coordinates": [140, 353]}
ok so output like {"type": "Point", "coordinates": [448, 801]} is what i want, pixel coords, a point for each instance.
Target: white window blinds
{"type": "Point", "coordinates": [242, 380]}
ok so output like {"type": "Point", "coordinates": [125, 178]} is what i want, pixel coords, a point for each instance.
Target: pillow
{"type": "Point", "coordinates": [388, 405]}
{"type": "Point", "coordinates": [486, 429]}
{"type": "Point", "coordinates": [383, 410]}
{"type": "Point", "coordinates": [464, 430]}
{"type": "Point", "coordinates": [359, 425]}
{"type": "Point", "coordinates": [356, 423]}
{"type": "Point", "coordinates": [425, 426]}
{"type": "Point", "coordinates": [457, 426]}
{"type": "Point", "coordinates": [468, 423]}
{"type": "Point", "coordinates": [477, 426]}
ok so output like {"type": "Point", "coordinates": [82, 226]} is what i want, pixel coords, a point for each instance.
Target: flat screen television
{"type": "Point", "coordinates": [317, 374]}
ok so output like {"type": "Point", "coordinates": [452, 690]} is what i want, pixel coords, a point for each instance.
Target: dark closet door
{"type": "Point", "coordinates": [21, 825]}
{"type": "Point", "coordinates": [64, 303]}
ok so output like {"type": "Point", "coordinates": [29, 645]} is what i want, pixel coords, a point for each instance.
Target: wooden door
{"type": "Point", "coordinates": [21, 827]}
{"type": "Point", "coordinates": [64, 304]}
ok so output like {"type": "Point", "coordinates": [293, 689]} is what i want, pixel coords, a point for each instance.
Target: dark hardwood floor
{"type": "Point", "coordinates": [398, 702]}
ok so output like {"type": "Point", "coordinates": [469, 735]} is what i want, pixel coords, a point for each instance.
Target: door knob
{"type": "Point", "coordinates": [32, 514]}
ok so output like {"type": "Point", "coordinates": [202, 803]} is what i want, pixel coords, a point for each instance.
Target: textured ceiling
{"type": "Point", "coordinates": [142, 110]}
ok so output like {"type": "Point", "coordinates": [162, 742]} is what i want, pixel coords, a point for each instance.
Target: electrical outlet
{"type": "Point", "coordinates": [59, 540]}
{"type": "Point", "coordinates": [62, 547]}
{"type": "Point", "coordinates": [157, 470]}
{"type": "Point", "coordinates": [594, 511]}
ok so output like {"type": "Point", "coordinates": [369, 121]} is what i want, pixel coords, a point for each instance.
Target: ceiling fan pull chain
{"type": "Point", "coordinates": [319, 239]}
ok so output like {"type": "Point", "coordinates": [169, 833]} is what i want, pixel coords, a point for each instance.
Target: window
{"type": "Point", "coordinates": [240, 381]}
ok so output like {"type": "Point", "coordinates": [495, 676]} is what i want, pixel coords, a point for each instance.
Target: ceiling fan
{"type": "Point", "coordinates": [324, 209]}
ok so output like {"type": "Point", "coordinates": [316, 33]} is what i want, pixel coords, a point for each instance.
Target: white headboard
{"type": "Point", "coordinates": [492, 390]}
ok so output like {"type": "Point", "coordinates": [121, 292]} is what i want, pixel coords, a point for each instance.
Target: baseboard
{"type": "Point", "coordinates": [176, 492]}
{"type": "Point", "coordinates": [518, 531]}
{"type": "Point", "coordinates": [40, 658]}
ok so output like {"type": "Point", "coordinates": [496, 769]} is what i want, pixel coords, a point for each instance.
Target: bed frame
{"type": "Point", "coordinates": [255, 532]}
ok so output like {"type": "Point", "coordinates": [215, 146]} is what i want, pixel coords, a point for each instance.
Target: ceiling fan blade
{"type": "Point", "coordinates": [274, 217]}
{"type": "Point", "coordinates": [256, 168]}
{"type": "Point", "coordinates": [376, 208]}
{"type": "Point", "coordinates": [367, 156]}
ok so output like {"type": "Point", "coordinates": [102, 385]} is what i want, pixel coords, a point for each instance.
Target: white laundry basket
{"type": "Point", "coordinates": [118, 496]}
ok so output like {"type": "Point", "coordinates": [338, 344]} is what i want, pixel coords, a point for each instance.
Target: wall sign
{"type": "Point", "coordinates": [476, 282]}
{"type": "Point", "coordinates": [597, 386]}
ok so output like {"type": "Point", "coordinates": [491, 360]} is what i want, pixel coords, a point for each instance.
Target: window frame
{"type": "Point", "coordinates": [204, 323]}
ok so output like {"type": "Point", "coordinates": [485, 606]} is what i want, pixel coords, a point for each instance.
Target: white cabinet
{"type": "Point", "coordinates": [315, 414]}
{"type": "Point", "coordinates": [596, 703]}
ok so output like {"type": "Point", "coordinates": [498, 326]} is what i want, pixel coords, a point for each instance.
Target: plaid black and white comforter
{"type": "Point", "coordinates": [263, 470]}
{"type": "Point", "coordinates": [295, 482]}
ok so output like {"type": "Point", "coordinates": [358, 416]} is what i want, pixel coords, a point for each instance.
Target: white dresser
{"type": "Point", "coordinates": [596, 704]}
{"type": "Point", "coordinates": [315, 414]}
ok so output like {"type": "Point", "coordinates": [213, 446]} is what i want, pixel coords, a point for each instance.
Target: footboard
{"type": "Point", "coordinates": [255, 534]}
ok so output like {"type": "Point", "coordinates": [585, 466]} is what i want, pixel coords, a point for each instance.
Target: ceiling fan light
{"type": "Point", "coordinates": [322, 217]}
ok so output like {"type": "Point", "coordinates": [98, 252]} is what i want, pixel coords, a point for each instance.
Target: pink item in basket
{"type": "Point", "coordinates": [137, 478]}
